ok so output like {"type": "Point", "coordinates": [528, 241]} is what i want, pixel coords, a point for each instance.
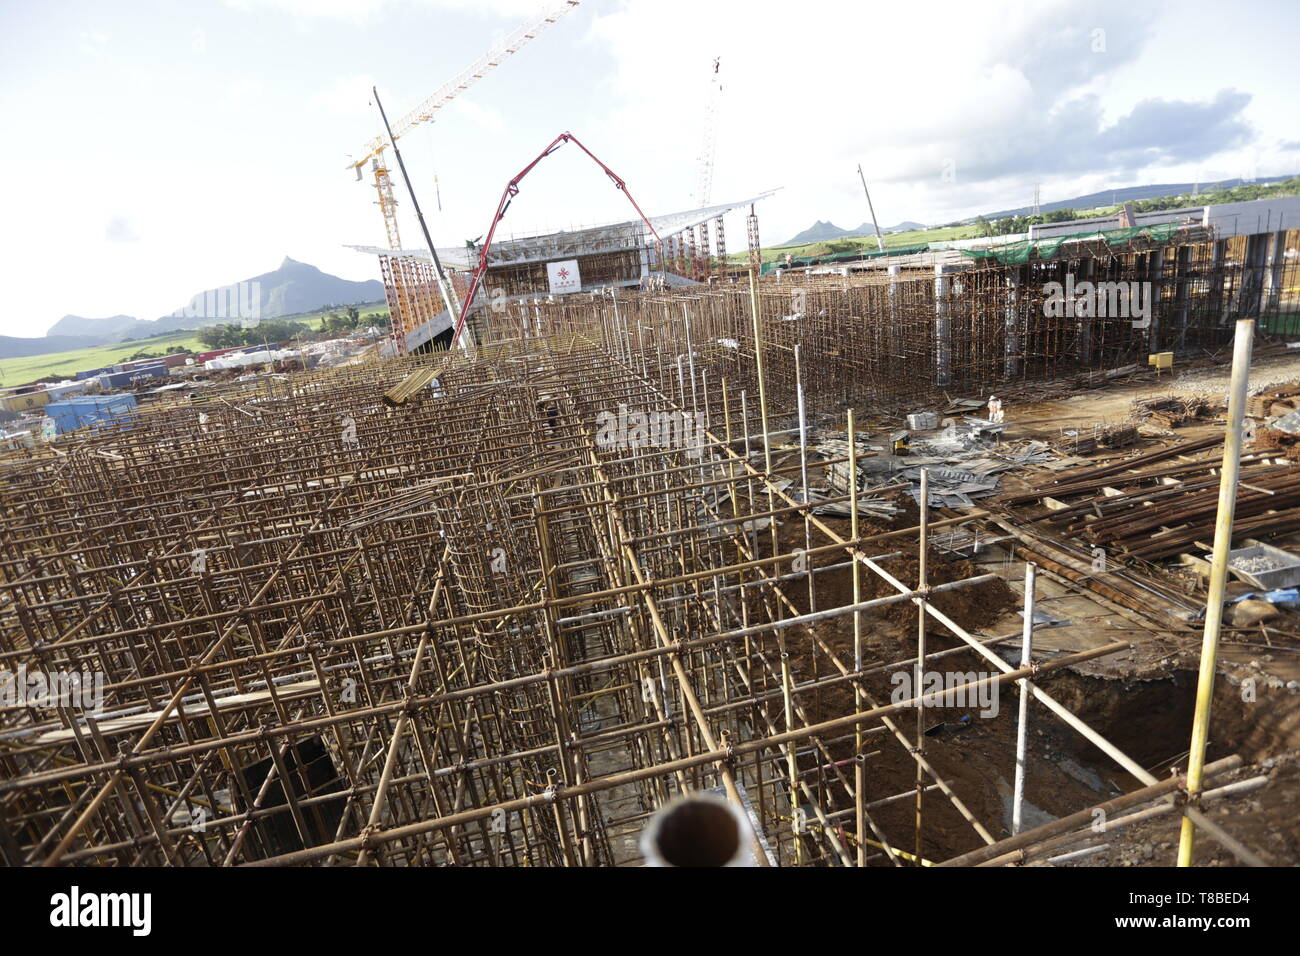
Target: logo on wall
{"type": "Point", "coordinates": [564, 276]}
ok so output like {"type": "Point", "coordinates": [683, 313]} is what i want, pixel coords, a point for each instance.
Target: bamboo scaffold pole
{"type": "Point", "coordinates": [1218, 580]}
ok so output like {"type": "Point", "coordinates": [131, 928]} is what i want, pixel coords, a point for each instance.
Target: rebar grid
{"type": "Point", "coordinates": [499, 623]}
{"type": "Point", "coordinates": [898, 340]}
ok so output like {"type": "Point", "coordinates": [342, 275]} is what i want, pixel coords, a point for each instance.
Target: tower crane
{"type": "Point", "coordinates": [704, 185]}
{"type": "Point", "coordinates": [373, 151]}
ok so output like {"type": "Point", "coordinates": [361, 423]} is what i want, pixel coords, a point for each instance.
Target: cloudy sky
{"type": "Point", "coordinates": [153, 149]}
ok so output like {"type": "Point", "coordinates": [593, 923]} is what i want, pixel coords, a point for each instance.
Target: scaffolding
{"type": "Point", "coordinates": [499, 610]}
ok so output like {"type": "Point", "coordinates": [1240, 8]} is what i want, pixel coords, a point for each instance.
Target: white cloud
{"type": "Point", "coordinates": [362, 11]}
{"type": "Point", "coordinates": [220, 169]}
{"type": "Point", "coordinates": [119, 229]}
{"type": "Point", "coordinates": [1007, 96]}
{"type": "Point", "coordinates": [348, 95]}
{"type": "Point", "coordinates": [93, 42]}
{"type": "Point", "coordinates": [486, 119]}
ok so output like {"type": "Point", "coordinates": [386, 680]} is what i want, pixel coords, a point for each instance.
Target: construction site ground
{"type": "Point", "coordinates": [1141, 699]}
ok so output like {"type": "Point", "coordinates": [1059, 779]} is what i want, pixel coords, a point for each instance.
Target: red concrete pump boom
{"type": "Point", "coordinates": [512, 190]}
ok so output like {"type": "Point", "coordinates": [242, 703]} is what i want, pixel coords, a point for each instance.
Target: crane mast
{"type": "Point", "coordinates": [704, 184]}
{"type": "Point", "coordinates": [374, 151]}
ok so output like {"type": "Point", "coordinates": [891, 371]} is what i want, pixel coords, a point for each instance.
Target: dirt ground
{"type": "Point", "coordinates": [1140, 699]}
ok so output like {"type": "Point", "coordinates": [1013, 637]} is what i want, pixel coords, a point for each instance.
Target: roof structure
{"type": "Point", "coordinates": [629, 234]}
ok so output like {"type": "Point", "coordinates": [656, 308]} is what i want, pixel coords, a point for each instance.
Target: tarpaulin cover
{"type": "Point", "coordinates": [1018, 253]}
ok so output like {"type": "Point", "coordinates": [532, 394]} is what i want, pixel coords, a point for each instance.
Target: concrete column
{"type": "Point", "coordinates": [1273, 276]}
{"type": "Point", "coordinates": [1087, 323]}
{"type": "Point", "coordinates": [942, 326]}
{"type": "Point", "coordinates": [1217, 260]}
{"type": "Point", "coordinates": [895, 334]}
{"type": "Point", "coordinates": [1252, 276]}
{"type": "Point", "coordinates": [1156, 264]}
{"type": "Point", "coordinates": [1011, 346]}
{"type": "Point", "coordinates": [1182, 299]}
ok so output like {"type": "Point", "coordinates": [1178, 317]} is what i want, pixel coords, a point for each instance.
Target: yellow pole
{"type": "Point", "coordinates": [859, 769]}
{"type": "Point", "coordinates": [1218, 576]}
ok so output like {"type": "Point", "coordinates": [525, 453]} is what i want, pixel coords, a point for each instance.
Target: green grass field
{"type": "Point", "coordinates": [915, 237]}
{"type": "Point", "coordinates": [314, 319]}
{"type": "Point", "coordinates": [21, 371]}
{"type": "Point", "coordinates": [833, 246]}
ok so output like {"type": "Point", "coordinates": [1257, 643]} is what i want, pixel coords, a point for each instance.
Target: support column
{"type": "Point", "coordinates": [1011, 314]}
{"type": "Point", "coordinates": [1217, 259]}
{"type": "Point", "coordinates": [942, 327]}
{"type": "Point", "coordinates": [1182, 297]}
{"type": "Point", "coordinates": [1273, 275]}
{"type": "Point", "coordinates": [1155, 272]}
{"type": "Point", "coordinates": [1087, 323]}
{"type": "Point", "coordinates": [896, 337]}
{"type": "Point", "coordinates": [1252, 276]}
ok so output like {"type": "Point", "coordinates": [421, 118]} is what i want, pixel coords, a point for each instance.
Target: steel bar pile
{"type": "Point", "coordinates": [1157, 513]}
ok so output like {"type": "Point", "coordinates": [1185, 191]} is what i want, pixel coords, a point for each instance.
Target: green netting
{"type": "Point", "coordinates": [1287, 323]}
{"type": "Point", "coordinates": [1018, 253]}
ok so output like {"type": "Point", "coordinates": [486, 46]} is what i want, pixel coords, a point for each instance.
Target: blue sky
{"type": "Point", "coordinates": [154, 149]}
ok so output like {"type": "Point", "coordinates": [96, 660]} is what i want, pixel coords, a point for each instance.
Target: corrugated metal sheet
{"type": "Point", "coordinates": [83, 410]}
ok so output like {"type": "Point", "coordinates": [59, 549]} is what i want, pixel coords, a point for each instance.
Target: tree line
{"type": "Point", "coordinates": [340, 321]}
{"type": "Point", "coordinates": [1012, 225]}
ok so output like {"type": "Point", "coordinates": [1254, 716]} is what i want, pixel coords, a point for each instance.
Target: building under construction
{"type": "Point", "coordinates": [509, 606]}
{"type": "Point", "coordinates": [678, 248]}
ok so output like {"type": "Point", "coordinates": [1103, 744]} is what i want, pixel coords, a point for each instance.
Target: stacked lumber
{"type": "Point", "coordinates": [407, 388]}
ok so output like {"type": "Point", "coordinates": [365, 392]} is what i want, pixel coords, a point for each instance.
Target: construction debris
{"type": "Point", "coordinates": [1172, 411]}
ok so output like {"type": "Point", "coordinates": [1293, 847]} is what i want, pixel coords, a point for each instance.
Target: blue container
{"type": "Point", "coordinates": [147, 372]}
{"type": "Point", "coordinates": [133, 376]}
{"type": "Point", "coordinates": [115, 379]}
{"type": "Point", "coordinates": [90, 373]}
{"type": "Point", "coordinates": [80, 411]}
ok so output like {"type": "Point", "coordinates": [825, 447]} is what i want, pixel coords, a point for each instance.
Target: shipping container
{"type": "Point", "coordinates": [129, 377]}
{"type": "Point", "coordinates": [146, 372]}
{"type": "Point", "coordinates": [61, 389]}
{"type": "Point", "coordinates": [22, 401]}
{"type": "Point", "coordinates": [206, 356]}
{"type": "Point", "coordinates": [115, 379]}
{"type": "Point", "coordinates": [90, 373]}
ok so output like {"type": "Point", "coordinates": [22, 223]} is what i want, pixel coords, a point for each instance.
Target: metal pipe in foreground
{"type": "Point", "coordinates": [698, 829]}
{"type": "Point", "coordinates": [1218, 578]}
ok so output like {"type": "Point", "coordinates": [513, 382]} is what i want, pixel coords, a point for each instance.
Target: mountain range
{"type": "Point", "coordinates": [823, 231]}
{"type": "Point", "coordinates": [292, 289]}
{"type": "Point", "coordinates": [1113, 197]}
